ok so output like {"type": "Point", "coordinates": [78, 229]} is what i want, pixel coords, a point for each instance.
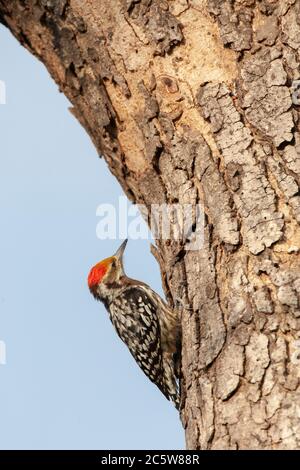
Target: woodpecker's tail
{"type": "Point", "coordinates": [171, 387]}
{"type": "Point", "coordinates": [175, 399]}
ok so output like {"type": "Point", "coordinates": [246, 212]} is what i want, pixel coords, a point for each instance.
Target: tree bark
{"type": "Point", "coordinates": [197, 101]}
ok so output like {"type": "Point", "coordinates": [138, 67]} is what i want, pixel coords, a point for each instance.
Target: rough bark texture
{"type": "Point", "coordinates": [198, 101]}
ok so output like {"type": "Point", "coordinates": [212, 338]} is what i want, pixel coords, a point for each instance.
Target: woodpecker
{"type": "Point", "coordinates": [144, 322]}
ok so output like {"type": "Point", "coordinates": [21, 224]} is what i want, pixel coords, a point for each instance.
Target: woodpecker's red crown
{"type": "Point", "coordinates": [98, 272]}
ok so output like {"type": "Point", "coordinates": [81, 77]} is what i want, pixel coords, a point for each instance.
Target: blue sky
{"type": "Point", "coordinates": [68, 382]}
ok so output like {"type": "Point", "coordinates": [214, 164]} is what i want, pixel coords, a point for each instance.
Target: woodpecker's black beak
{"type": "Point", "coordinates": [119, 253]}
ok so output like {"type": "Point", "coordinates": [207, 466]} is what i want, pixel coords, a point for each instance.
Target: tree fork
{"type": "Point", "coordinates": [197, 101]}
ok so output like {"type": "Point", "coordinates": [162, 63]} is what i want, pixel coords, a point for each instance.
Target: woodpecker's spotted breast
{"type": "Point", "coordinates": [134, 316]}
{"type": "Point", "coordinates": [143, 321]}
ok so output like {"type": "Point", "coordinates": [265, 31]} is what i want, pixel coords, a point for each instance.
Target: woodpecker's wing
{"type": "Point", "coordinates": [134, 316]}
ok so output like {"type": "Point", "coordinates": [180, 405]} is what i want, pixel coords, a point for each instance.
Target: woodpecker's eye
{"type": "Point", "coordinates": [113, 264]}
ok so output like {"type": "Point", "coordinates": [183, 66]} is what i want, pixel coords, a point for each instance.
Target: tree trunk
{"type": "Point", "coordinates": [197, 101]}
